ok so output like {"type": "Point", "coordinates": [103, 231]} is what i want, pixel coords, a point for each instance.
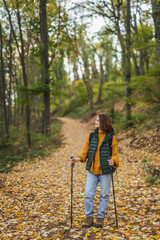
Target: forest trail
{"type": "Point", "coordinates": [35, 196]}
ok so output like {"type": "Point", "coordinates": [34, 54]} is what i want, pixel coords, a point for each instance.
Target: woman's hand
{"type": "Point", "coordinates": [111, 162]}
{"type": "Point", "coordinates": [75, 160]}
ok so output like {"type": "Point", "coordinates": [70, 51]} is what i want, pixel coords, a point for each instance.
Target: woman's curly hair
{"type": "Point", "coordinates": [105, 123]}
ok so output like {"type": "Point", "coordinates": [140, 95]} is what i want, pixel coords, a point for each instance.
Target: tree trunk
{"type": "Point", "coordinates": [101, 80]}
{"type": "Point", "coordinates": [75, 70]}
{"type": "Point", "coordinates": [45, 72]}
{"type": "Point", "coordinates": [135, 64]}
{"type": "Point", "coordinates": [86, 79]}
{"type": "Point", "coordinates": [141, 62]}
{"type": "Point", "coordinates": [3, 86]}
{"type": "Point", "coordinates": [34, 72]}
{"type": "Point", "coordinates": [27, 108]}
{"type": "Point", "coordinates": [86, 75]}
{"type": "Point", "coordinates": [10, 80]}
{"type": "Point", "coordinates": [147, 62]}
{"type": "Point", "coordinates": [94, 67]}
{"type": "Point", "coordinates": [22, 58]}
{"type": "Point", "coordinates": [128, 67]}
{"type": "Point", "coordinates": [156, 19]}
{"type": "Point", "coordinates": [89, 91]}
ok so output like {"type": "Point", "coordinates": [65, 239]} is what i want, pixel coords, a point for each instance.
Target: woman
{"type": "Point", "coordinates": [101, 151]}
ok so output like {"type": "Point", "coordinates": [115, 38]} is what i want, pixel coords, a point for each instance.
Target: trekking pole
{"type": "Point", "coordinates": [72, 166]}
{"type": "Point", "coordinates": [114, 201]}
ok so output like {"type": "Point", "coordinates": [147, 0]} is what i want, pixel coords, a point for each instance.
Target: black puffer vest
{"type": "Point", "coordinates": [105, 152]}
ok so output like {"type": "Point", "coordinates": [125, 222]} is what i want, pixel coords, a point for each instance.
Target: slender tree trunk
{"type": "Point", "coordinates": [10, 80]}
{"type": "Point", "coordinates": [141, 62]}
{"type": "Point", "coordinates": [75, 70]}
{"type": "Point", "coordinates": [124, 62]}
{"type": "Point", "coordinates": [108, 64]}
{"type": "Point", "coordinates": [101, 80]}
{"type": "Point", "coordinates": [89, 91]}
{"type": "Point", "coordinates": [3, 86]}
{"type": "Point", "coordinates": [147, 63]}
{"type": "Point", "coordinates": [22, 58]}
{"type": "Point", "coordinates": [94, 68]}
{"type": "Point", "coordinates": [27, 108]}
{"type": "Point", "coordinates": [45, 72]}
{"type": "Point", "coordinates": [156, 19]}
{"type": "Point", "coordinates": [17, 113]}
{"type": "Point", "coordinates": [86, 79]}
{"type": "Point", "coordinates": [34, 71]}
{"type": "Point", "coordinates": [135, 64]}
{"type": "Point", "coordinates": [1, 111]}
{"type": "Point", "coordinates": [86, 75]}
{"type": "Point", "coordinates": [128, 67]}
{"type": "Point", "coordinates": [14, 109]}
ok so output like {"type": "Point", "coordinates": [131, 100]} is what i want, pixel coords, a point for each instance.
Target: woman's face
{"type": "Point", "coordinates": [97, 124]}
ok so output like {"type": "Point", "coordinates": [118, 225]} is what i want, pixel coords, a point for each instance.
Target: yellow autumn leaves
{"type": "Point", "coordinates": [35, 197]}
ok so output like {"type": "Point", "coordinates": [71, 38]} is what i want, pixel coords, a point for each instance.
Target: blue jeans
{"type": "Point", "coordinates": [91, 186]}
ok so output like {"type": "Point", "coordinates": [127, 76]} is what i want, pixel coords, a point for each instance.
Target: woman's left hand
{"type": "Point", "coordinates": [111, 162]}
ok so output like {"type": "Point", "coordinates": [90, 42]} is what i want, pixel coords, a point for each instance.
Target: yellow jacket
{"type": "Point", "coordinates": [96, 166]}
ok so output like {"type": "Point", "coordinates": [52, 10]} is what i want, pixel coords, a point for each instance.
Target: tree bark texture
{"type": "Point", "coordinates": [10, 80]}
{"type": "Point", "coordinates": [45, 67]}
{"type": "Point", "coordinates": [156, 19]}
{"type": "Point", "coordinates": [141, 62]}
{"type": "Point", "coordinates": [101, 79]}
{"type": "Point", "coordinates": [136, 67]}
{"type": "Point", "coordinates": [128, 66]}
{"type": "Point", "coordinates": [86, 79]}
{"type": "Point", "coordinates": [3, 86]}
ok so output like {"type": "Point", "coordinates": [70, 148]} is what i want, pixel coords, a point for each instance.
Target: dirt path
{"type": "Point", "coordinates": [35, 197]}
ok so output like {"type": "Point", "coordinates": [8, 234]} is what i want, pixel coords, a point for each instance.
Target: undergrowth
{"type": "Point", "coordinates": [41, 146]}
{"type": "Point", "coordinates": [152, 174]}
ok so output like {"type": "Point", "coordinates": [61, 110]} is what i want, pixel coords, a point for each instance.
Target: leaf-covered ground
{"type": "Point", "coordinates": [35, 196]}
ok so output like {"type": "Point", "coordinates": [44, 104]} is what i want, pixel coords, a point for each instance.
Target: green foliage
{"type": "Point", "coordinates": [145, 101]}
{"type": "Point", "coordinates": [154, 72]}
{"type": "Point", "coordinates": [14, 135]}
{"type": "Point", "coordinates": [153, 175]}
{"type": "Point", "coordinates": [80, 112]}
{"type": "Point", "coordinates": [76, 103]}
{"type": "Point", "coordinates": [144, 38]}
{"type": "Point", "coordinates": [113, 92]}
{"type": "Point", "coordinates": [145, 89]}
{"type": "Point", "coordinates": [73, 106]}
{"type": "Point", "coordinates": [152, 179]}
{"type": "Point", "coordinates": [139, 117]}
{"type": "Point", "coordinates": [17, 150]}
{"type": "Point", "coordinates": [81, 93]}
{"type": "Point", "coordinates": [118, 121]}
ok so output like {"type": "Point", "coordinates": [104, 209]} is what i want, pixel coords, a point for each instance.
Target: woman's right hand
{"type": "Point", "coordinates": [74, 160]}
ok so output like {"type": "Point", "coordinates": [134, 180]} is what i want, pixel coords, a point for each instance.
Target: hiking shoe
{"type": "Point", "coordinates": [88, 222]}
{"type": "Point", "coordinates": [99, 222]}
